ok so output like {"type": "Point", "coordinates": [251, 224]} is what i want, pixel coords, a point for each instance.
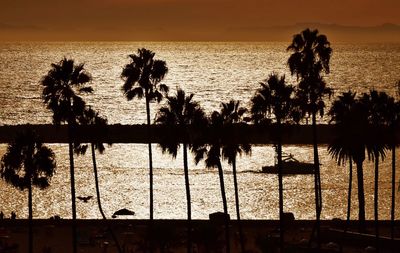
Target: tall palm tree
{"type": "Point", "coordinates": [142, 77]}
{"type": "Point", "coordinates": [275, 100]}
{"type": "Point", "coordinates": [211, 152]}
{"type": "Point", "coordinates": [232, 113]}
{"type": "Point", "coordinates": [351, 117]}
{"type": "Point", "coordinates": [392, 121]}
{"type": "Point", "coordinates": [310, 57]}
{"type": "Point", "coordinates": [26, 163]}
{"type": "Point", "coordinates": [61, 88]}
{"type": "Point", "coordinates": [341, 149]}
{"type": "Point", "coordinates": [181, 112]}
{"type": "Point", "coordinates": [377, 104]}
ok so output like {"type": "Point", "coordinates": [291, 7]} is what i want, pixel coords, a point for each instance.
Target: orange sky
{"type": "Point", "coordinates": [180, 19]}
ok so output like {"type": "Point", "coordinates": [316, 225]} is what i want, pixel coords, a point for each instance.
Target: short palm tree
{"type": "Point", "coordinates": [275, 100]}
{"type": "Point", "coordinates": [232, 114]}
{"type": "Point", "coordinates": [310, 57]}
{"type": "Point", "coordinates": [92, 118]}
{"type": "Point", "coordinates": [61, 88]}
{"type": "Point", "coordinates": [26, 163]}
{"type": "Point", "coordinates": [142, 77]}
{"type": "Point", "coordinates": [352, 132]}
{"type": "Point", "coordinates": [211, 152]}
{"type": "Point", "coordinates": [181, 112]}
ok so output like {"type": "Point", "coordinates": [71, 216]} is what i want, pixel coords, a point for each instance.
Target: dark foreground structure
{"type": "Point", "coordinates": [53, 235]}
{"type": "Point", "coordinates": [237, 133]}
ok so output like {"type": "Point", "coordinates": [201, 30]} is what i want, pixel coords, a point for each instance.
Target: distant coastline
{"type": "Point", "coordinates": [384, 33]}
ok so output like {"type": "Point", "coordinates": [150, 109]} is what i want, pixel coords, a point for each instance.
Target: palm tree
{"type": "Point", "coordinates": [311, 56]}
{"type": "Point", "coordinates": [61, 87]}
{"type": "Point", "coordinates": [393, 119]}
{"type": "Point", "coordinates": [351, 117]}
{"type": "Point", "coordinates": [182, 112]}
{"type": "Point", "coordinates": [142, 77]}
{"type": "Point", "coordinates": [92, 118]}
{"type": "Point", "coordinates": [232, 113]}
{"type": "Point", "coordinates": [275, 99]}
{"type": "Point", "coordinates": [26, 163]}
{"type": "Point", "coordinates": [377, 104]}
{"type": "Point", "coordinates": [341, 149]}
{"type": "Point", "coordinates": [212, 154]}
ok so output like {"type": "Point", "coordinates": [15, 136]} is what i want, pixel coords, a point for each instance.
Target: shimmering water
{"type": "Point", "coordinates": [215, 73]}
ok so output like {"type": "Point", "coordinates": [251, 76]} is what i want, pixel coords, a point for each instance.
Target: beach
{"type": "Point", "coordinates": [170, 235]}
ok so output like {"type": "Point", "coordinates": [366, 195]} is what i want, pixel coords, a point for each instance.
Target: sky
{"type": "Point", "coordinates": [182, 19]}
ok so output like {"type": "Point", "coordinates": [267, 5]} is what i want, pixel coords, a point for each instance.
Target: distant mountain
{"type": "Point", "coordinates": [336, 33]}
{"type": "Point", "coordinates": [340, 33]}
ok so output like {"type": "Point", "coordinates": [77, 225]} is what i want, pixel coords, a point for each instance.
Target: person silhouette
{"type": "Point", "coordinates": [1, 215]}
{"type": "Point", "coordinates": [13, 215]}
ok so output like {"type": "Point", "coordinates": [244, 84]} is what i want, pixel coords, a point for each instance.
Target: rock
{"type": "Point", "coordinates": [288, 217]}
{"type": "Point", "coordinates": [123, 211]}
{"type": "Point", "coordinates": [218, 217]}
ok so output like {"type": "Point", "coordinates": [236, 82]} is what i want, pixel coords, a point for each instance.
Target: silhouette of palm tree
{"type": "Point", "coordinates": [311, 56]}
{"type": "Point", "coordinates": [211, 152]}
{"type": "Point", "coordinates": [61, 87]}
{"type": "Point", "coordinates": [275, 99]}
{"type": "Point", "coordinates": [232, 113]}
{"type": "Point", "coordinates": [142, 77]}
{"type": "Point", "coordinates": [26, 163]}
{"type": "Point", "coordinates": [392, 120]}
{"type": "Point", "coordinates": [377, 104]}
{"type": "Point", "coordinates": [341, 149]}
{"type": "Point", "coordinates": [351, 117]}
{"type": "Point", "coordinates": [91, 117]}
{"type": "Point", "coordinates": [182, 112]}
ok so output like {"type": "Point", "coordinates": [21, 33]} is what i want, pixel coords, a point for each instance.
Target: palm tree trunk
{"type": "Point", "coordinates": [392, 214]}
{"type": "Point", "coordinates": [225, 205]}
{"type": "Point", "coordinates": [150, 160]}
{"type": "Point", "coordinates": [188, 199]}
{"type": "Point", "coordinates": [317, 179]}
{"type": "Point", "coordinates": [96, 179]}
{"type": "Point", "coordinates": [346, 226]}
{"type": "Point", "coordinates": [361, 197]}
{"type": "Point", "coordinates": [150, 177]}
{"type": "Point", "coordinates": [280, 186]}
{"type": "Point", "coordinates": [235, 183]}
{"type": "Point", "coordinates": [376, 211]}
{"type": "Point", "coordinates": [30, 217]}
{"type": "Point", "coordinates": [72, 175]}
{"type": "Point", "coordinates": [349, 194]}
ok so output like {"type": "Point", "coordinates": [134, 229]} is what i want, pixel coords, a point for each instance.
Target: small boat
{"type": "Point", "coordinates": [290, 166]}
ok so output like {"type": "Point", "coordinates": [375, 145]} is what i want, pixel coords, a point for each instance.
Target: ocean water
{"type": "Point", "coordinates": [215, 73]}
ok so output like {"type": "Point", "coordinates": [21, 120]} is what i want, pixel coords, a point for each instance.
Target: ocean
{"type": "Point", "coordinates": [215, 73]}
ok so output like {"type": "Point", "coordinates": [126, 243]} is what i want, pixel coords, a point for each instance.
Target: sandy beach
{"type": "Point", "coordinates": [170, 236]}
